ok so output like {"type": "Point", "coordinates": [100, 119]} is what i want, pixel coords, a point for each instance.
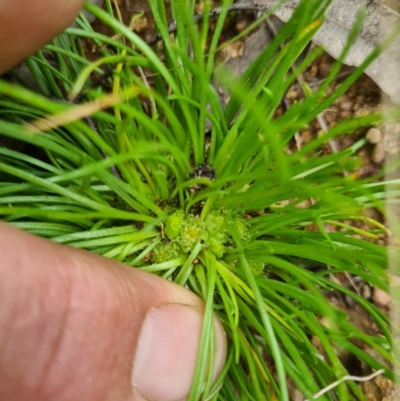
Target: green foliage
{"type": "Point", "coordinates": [123, 185]}
{"type": "Point", "coordinates": [215, 232]}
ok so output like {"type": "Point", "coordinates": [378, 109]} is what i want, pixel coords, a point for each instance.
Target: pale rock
{"type": "Point", "coordinates": [374, 135]}
{"type": "Point", "coordinates": [380, 297]}
{"type": "Point", "coordinates": [378, 155]}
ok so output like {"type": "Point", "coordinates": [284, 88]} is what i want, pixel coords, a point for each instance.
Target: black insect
{"type": "Point", "coordinates": [204, 170]}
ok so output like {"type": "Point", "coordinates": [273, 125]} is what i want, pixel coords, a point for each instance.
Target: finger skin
{"type": "Point", "coordinates": [69, 320]}
{"type": "Point", "coordinates": [27, 25]}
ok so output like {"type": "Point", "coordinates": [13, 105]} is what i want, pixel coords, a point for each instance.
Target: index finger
{"type": "Point", "coordinates": [25, 26]}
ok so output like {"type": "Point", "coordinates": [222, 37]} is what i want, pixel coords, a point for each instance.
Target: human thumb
{"type": "Point", "coordinates": [76, 326]}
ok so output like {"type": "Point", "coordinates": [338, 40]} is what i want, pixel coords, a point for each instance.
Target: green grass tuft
{"type": "Point", "coordinates": [140, 182]}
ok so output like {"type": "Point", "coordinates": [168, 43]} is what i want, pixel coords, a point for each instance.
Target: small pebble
{"type": "Point", "coordinates": [292, 93]}
{"type": "Point", "coordinates": [360, 99]}
{"type": "Point", "coordinates": [140, 25]}
{"type": "Point", "coordinates": [233, 50]}
{"type": "Point", "coordinates": [346, 105]}
{"type": "Point", "coordinates": [324, 69]}
{"type": "Point", "coordinates": [297, 395]}
{"type": "Point", "coordinates": [304, 205]}
{"type": "Point", "coordinates": [374, 135]}
{"type": "Point", "coordinates": [366, 291]}
{"type": "Point", "coordinates": [314, 70]}
{"type": "Point", "coordinates": [306, 136]}
{"type": "Point", "coordinates": [345, 115]}
{"type": "Point", "coordinates": [378, 155]}
{"type": "Point", "coordinates": [350, 302]}
{"type": "Point", "coordinates": [241, 25]}
{"type": "Point", "coordinates": [380, 297]}
{"type": "Point", "coordinates": [199, 8]}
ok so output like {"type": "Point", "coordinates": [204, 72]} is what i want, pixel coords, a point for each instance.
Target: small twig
{"type": "Point", "coordinates": [353, 284]}
{"type": "Point", "coordinates": [318, 82]}
{"type": "Point", "coordinates": [346, 378]}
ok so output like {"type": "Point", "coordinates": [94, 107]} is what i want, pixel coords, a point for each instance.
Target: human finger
{"type": "Point", "coordinates": [76, 326]}
{"type": "Point", "coordinates": [26, 26]}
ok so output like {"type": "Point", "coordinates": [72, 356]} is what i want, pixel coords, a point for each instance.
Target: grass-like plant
{"type": "Point", "coordinates": [143, 182]}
